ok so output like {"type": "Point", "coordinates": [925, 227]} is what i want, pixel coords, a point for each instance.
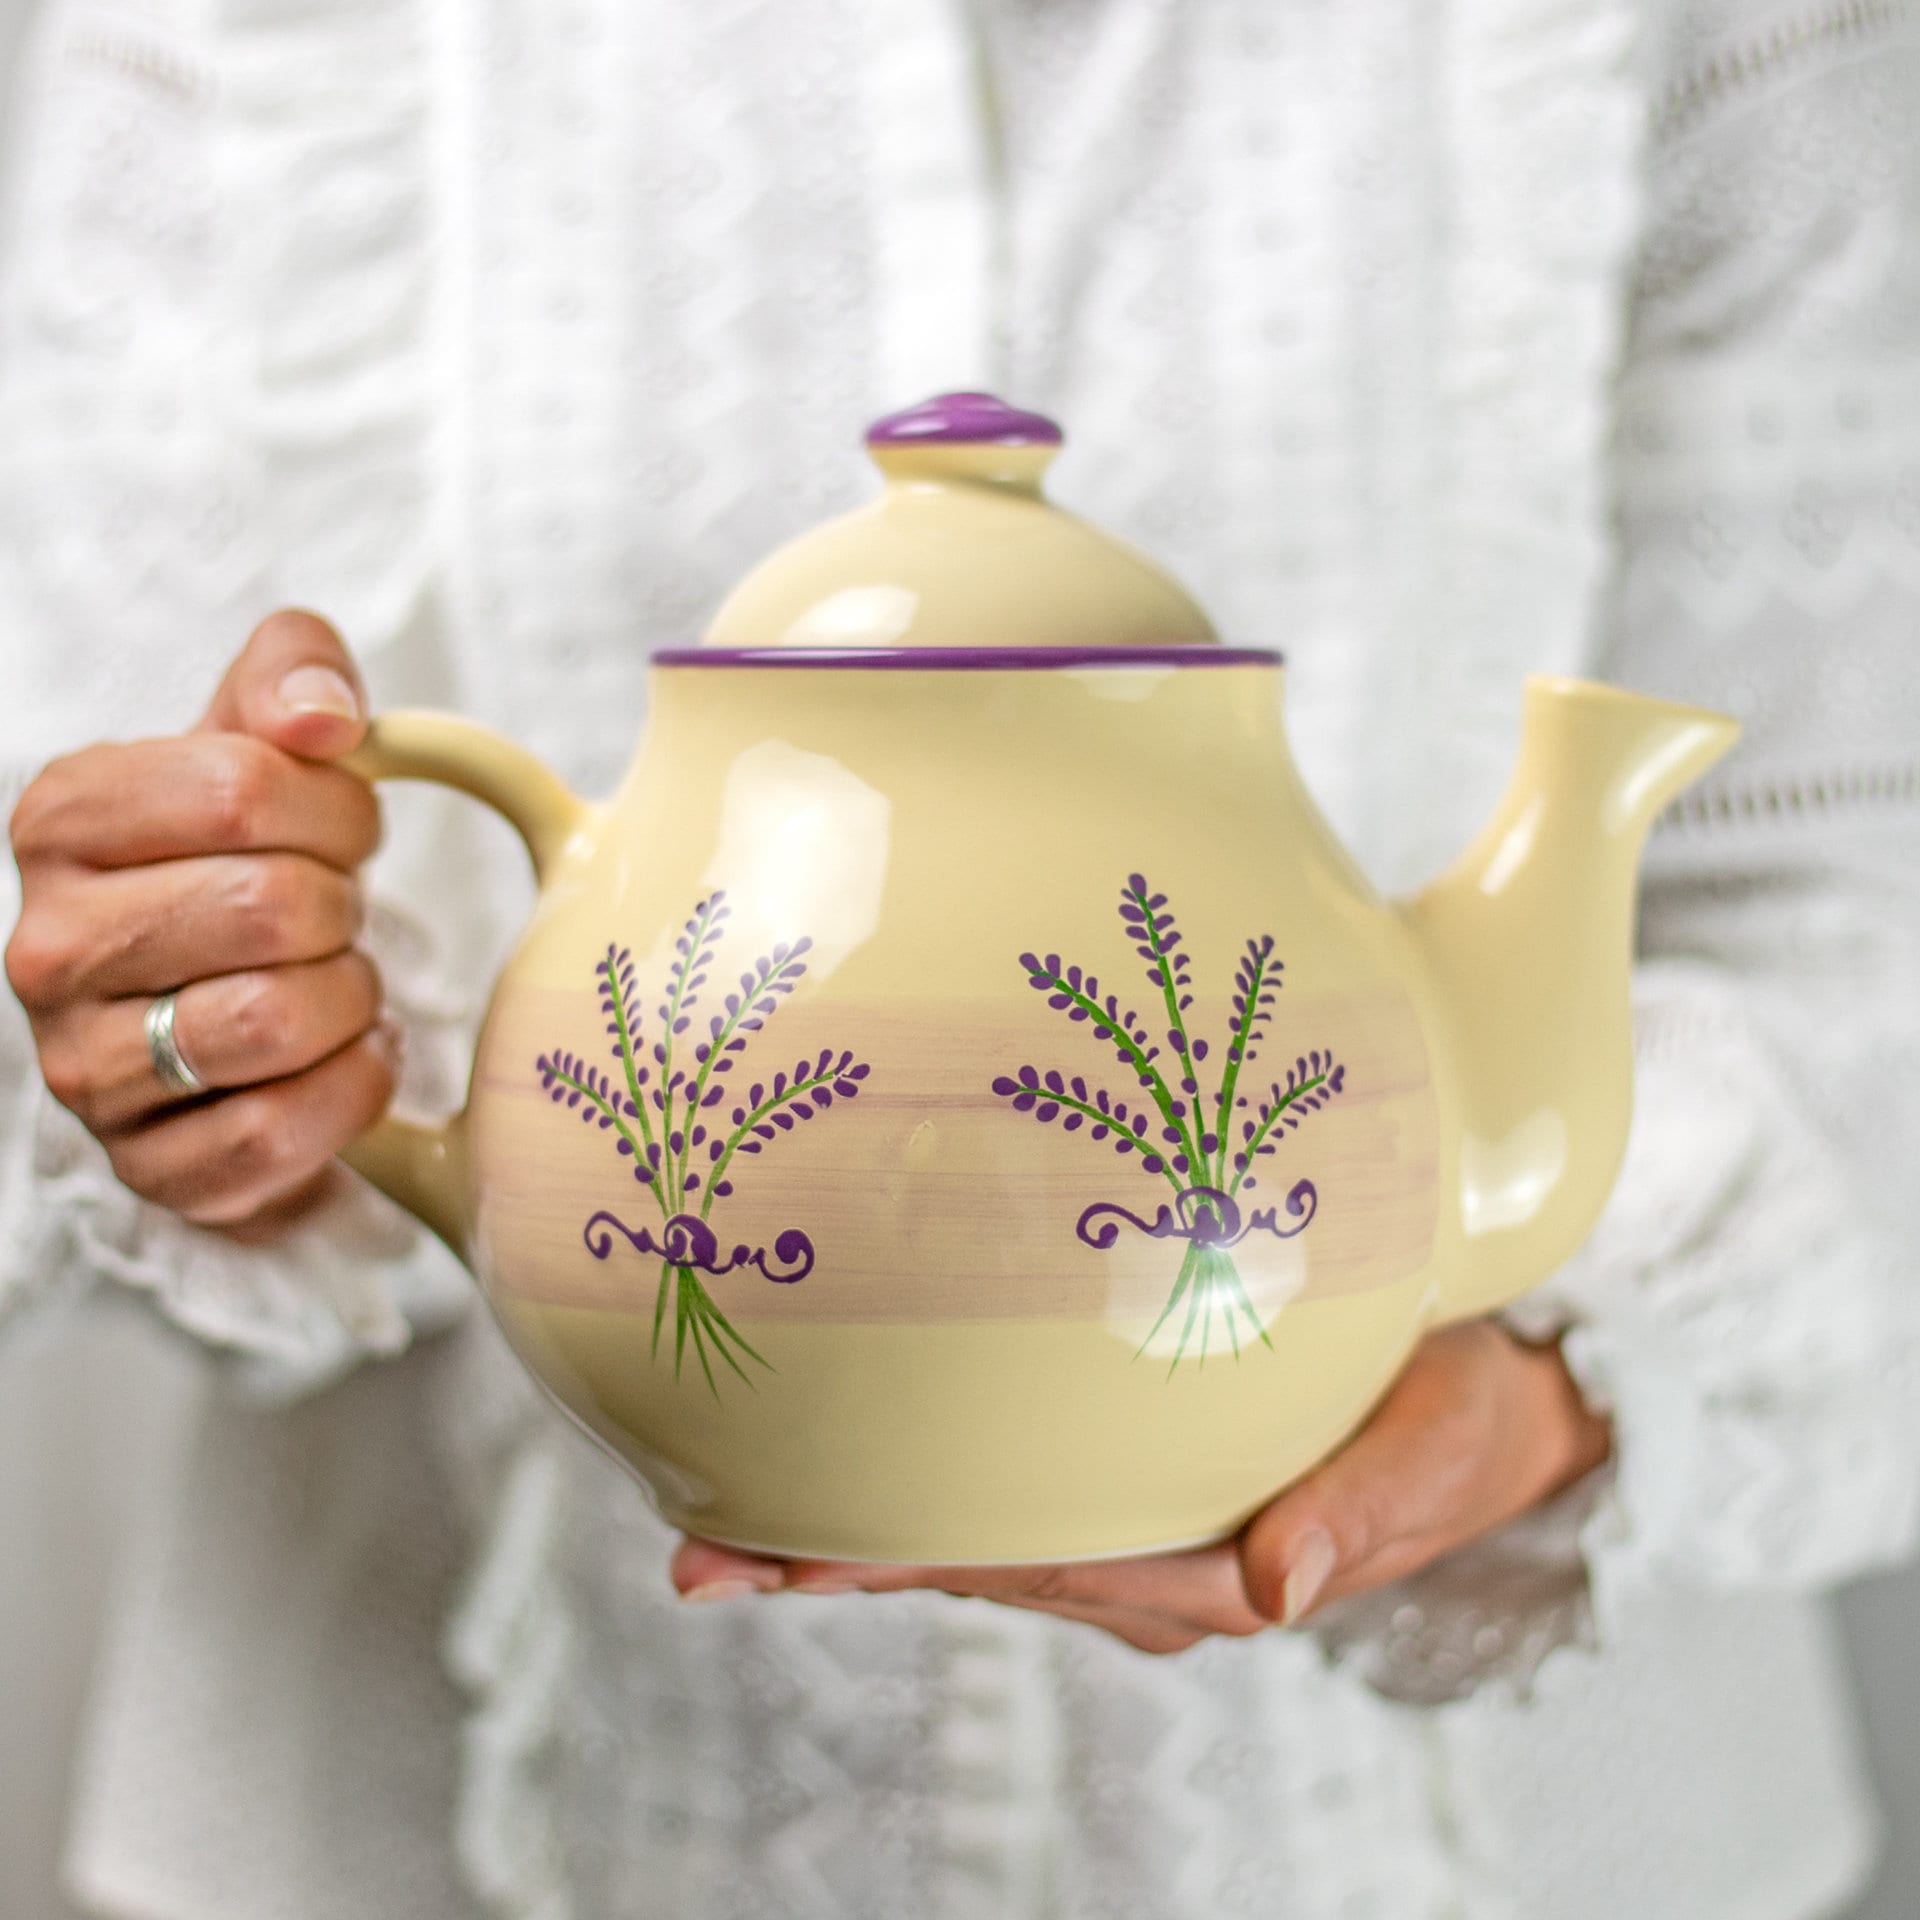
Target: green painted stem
{"type": "Point", "coordinates": [626, 1045]}
{"type": "Point", "coordinates": [794, 1092]}
{"type": "Point", "coordinates": [696, 1312]}
{"type": "Point", "coordinates": [1267, 1125]}
{"type": "Point", "coordinates": [1163, 959]}
{"type": "Point", "coordinates": [1230, 1078]}
{"type": "Point", "coordinates": [1112, 1125]}
{"type": "Point", "coordinates": [720, 1040]}
{"type": "Point", "coordinates": [1208, 1282]}
{"type": "Point", "coordinates": [604, 1107]}
{"type": "Point", "coordinates": [1148, 1072]}
{"type": "Point", "coordinates": [682, 974]}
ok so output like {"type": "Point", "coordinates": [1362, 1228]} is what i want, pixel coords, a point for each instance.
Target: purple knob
{"type": "Point", "coordinates": [964, 419]}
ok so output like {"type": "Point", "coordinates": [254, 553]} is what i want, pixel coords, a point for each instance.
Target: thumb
{"type": "Point", "coordinates": [1295, 1551]}
{"type": "Point", "coordinates": [295, 686]}
{"type": "Point", "coordinates": [1375, 1506]}
{"type": "Point", "coordinates": [1449, 1452]}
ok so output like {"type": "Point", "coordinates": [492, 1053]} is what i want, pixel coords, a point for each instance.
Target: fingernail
{"type": "Point", "coordinates": [823, 1586]}
{"type": "Point", "coordinates": [1313, 1563]}
{"type": "Point", "coordinates": [319, 690]}
{"type": "Point", "coordinates": [720, 1590]}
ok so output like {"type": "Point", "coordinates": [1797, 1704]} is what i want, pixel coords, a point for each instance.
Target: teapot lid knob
{"type": "Point", "coordinates": [964, 419]}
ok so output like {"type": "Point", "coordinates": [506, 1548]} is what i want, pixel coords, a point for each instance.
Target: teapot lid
{"type": "Point", "coordinates": [962, 552]}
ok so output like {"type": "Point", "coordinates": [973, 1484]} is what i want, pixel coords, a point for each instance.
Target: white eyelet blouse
{"type": "Point", "coordinates": [1435, 343]}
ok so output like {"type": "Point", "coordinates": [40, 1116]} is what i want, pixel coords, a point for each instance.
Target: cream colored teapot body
{"type": "Point", "coordinates": [957, 1102]}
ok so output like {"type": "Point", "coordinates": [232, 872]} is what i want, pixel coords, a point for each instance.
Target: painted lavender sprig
{"type": "Point", "coordinates": [1150, 921]}
{"type": "Point", "coordinates": [1174, 1133]}
{"type": "Point", "coordinates": [1256, 985]}
{"type": "Point", "coordinates": [1311, 1082]}
{"type": "Point", "coordinates": [663, 1117]}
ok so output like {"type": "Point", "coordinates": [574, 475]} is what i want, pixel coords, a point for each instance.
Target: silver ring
{"type": "Point", "coordinates": [174, 1073]}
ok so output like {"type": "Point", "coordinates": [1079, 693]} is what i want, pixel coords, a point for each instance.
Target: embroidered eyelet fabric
{"type": "Point", "coordinates": [1436, 345]}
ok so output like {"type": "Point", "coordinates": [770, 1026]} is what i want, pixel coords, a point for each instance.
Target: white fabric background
{"type": "Point", "coordinates": [86, 1426]}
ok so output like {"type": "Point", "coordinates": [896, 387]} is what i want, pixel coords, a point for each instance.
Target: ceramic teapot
{"type": "Point", "coordinates": [998, 1122]}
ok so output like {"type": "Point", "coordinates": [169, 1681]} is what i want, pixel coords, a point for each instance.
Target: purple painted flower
{"type": "Point", "coordinates": [1196, 1146]}
{"type": "Point", "coordinates": [663, 1110]}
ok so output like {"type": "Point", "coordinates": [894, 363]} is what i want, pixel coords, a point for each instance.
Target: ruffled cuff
{"type": "Point", "coordinates": [1487, 1616]}
{"type": "Point", "coordinates": [1752, 1330]}
{"type": "Point", "coordinates": [1756, 1346]}
{"type": "Point", "coordinates": [356, 1279]}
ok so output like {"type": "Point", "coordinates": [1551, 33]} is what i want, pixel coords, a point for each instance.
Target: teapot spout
{"type": "Point", "coordinates": [1527, 943]}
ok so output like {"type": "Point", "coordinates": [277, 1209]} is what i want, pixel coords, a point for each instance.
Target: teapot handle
{"type": "Point", "coordinates": [423, 1165]}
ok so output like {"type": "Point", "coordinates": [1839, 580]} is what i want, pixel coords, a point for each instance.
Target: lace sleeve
{"type": "Point", "coordinates": [143, 531]}
{"type": "Point", "coordinates": [1748, 1309]}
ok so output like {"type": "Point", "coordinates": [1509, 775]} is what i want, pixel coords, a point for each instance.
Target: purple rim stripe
{"type": "Point", "coordinates": [969, 659]}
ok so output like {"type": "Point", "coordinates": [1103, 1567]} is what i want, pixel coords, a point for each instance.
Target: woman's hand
{"type": "Point", "coordinates": [218, 866]}
{"type": "Point", "coordinates": [1478, 1429]}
